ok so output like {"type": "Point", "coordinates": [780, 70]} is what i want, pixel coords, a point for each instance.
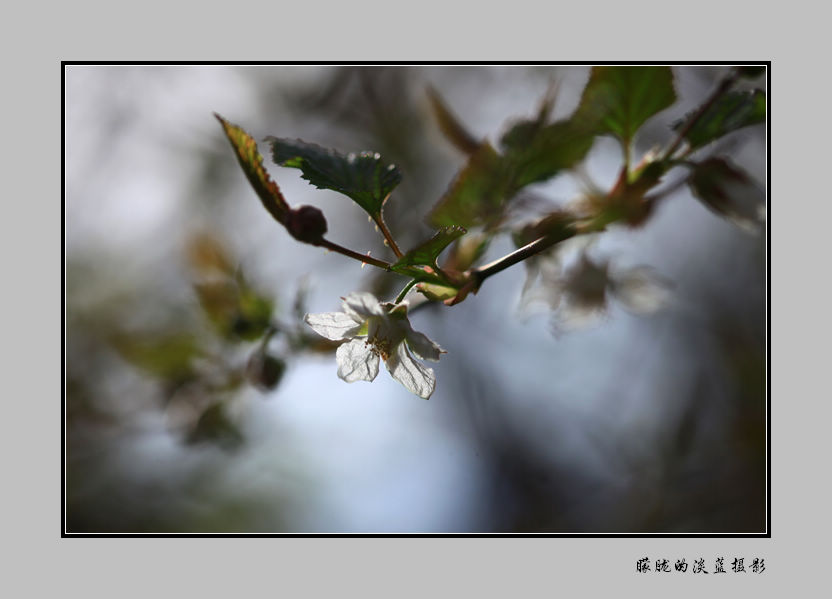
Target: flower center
{"type": "Point", "coordinates": [379, 346]}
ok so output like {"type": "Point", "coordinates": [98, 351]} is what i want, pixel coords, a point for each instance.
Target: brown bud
{"type": "Point", "coordinates": [306, 224]}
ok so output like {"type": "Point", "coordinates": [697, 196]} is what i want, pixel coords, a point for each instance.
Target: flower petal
{"type": "Point", "coordinates": [641, 290]}
{"type": "Point", "coordinates": [356, 361]}
{"type": "Point", "coordinates": [414, 376]}
{"type": "Point", "coordinates": [572, 315]}
{"type": "Point", "coordinates": [333, 325]}
{"type": "Point", "coordinates": [422, 346]}
{"type": "Point", "coordinates": [361, 305]}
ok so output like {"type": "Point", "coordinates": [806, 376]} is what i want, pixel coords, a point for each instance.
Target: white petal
{"type": "Point", "coordinates": [356, 362]}
{"type": "Point", "coordinates": [333, 325]}
{"type": "Point", "coordinates": [414, 376]}
{"type": "Point", "coordinates": [362, 305]}
{"type": "Point", "coordinates": [641, 290]}
{"type": "Point", "coordinates": [571, 315]}
{"type": "Point", "coordinates": [422, 346]}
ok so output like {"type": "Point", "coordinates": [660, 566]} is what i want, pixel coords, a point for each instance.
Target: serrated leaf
{"type": "Point", "coordinates": [730, 192]}
{"type": "Point", "coordinates": [619, 99]}
{"type": "Point", "coordinates": [535, 153]}
{"type": "Point", "coordinates": [362, 177]}
{"type": "Point", "coordinates": [732, 111]}
{"type": "Point", "coordinates": [252, 163]}
{"type": "Point", "coordinates": [450, 126]}
{"type": "Point", "coordinates": [427, 252]}
{"type": "Point", "coordinates": [477, 194]}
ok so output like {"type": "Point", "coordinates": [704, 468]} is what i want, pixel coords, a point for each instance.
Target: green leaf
{"type": "Point", "coordinates": [618, 100]}
{"type": "Point", "coordinates": [427, 252]}
{"type": "Point", "coordinates": [252, 163]}
{"type": "Point", "coordinates": [732, 111]}
{"type": "Point", "coordinates": [477, 195]}
{"type": "Point", "coordinates": [362, 177]}
{"type": "Point", "coordinates": [535, 153]}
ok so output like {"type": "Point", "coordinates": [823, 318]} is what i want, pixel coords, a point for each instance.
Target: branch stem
{"type": "Point", "coordinates": [388, 236]}
{"type": "Point", "coordinates": [403, 293]}
{"type": "Point", "coordinates": [527, 251]}
{"type": "Point", "coordinates": [325, 243]}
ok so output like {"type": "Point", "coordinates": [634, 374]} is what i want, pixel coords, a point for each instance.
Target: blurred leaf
{"type": "Point", "coordinates": [730, 192]}
{"type": "Point", "coordinates": [254, 317]}
{"type": "Point", "coordinates": [235, 311]}
{"type": "Point", "coordinates": [536, 153]}
{"type": "Point", "coordinates": [362, 177]}
{"type": "Point", "coordinates": [218, 300]}
{"type": "Point", "coordinates": [207, 256]}
{"type": "Point", "coordinates": [252, 163]}
{"type": "Point", "coordinates": [427, 252]}
{"type": "Point", "coordinates": [619, 99]}
{"type": "Point", "coordinates": [167, 356]}
{"type": "Point", "coordinates": [450, 126]}
{"type": "Point", "coordinates": [478, 193]}
{"type": "Point", "coordinates": [732, 111]}
{"type": "Point", "coordinates": [215, 426]}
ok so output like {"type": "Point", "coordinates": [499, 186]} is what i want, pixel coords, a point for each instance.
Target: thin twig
{"type": "Point", "coordinates": [527, 251]}
{"type": "Point", "coordinates": [404, 291]}
{"type": "Point", "coordinates": [366, 259]}
{"type": "Point", "coordinates": [388, 236]}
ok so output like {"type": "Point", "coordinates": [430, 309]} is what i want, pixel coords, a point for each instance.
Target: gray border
{"type": "Point", "coordinates": [394, 566]}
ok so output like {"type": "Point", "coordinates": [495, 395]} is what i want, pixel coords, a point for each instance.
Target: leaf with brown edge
{"type": "Point", "coordinates": [252, 164]}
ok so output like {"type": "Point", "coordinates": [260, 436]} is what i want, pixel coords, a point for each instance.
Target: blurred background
{"type": "Point", "coordinates": [196, 400]}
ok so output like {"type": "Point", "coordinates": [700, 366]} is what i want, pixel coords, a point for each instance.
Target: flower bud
{"type": "Point", "coordinates": [306, 224]}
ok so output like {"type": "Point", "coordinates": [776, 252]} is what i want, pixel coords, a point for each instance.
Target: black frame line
{"type": "Point", "coordinates": [767, 534]}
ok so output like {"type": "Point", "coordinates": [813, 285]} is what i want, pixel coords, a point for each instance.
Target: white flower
{"type": "Point", "coordinates": [580, 295]}
{"type": "Point", "coordinates": [378, 330]}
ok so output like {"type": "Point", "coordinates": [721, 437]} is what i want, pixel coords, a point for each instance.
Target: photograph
{"type": "Point", "coordinates": [418, 299]}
